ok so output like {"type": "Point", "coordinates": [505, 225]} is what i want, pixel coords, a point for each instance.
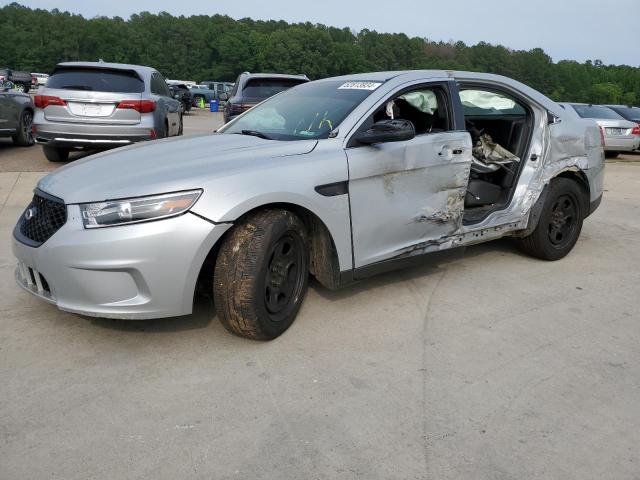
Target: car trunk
{"type": "Point", "coordinates": [94, 96]}
{"type": "Point", "coordinates": [93, 107]}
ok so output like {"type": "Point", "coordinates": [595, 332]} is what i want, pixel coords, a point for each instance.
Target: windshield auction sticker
{"type": "Point", "coordinates": [359, 86]}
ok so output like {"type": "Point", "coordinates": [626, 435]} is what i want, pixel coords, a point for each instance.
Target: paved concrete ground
{"type": "Point", "coordinates": [489, 366]}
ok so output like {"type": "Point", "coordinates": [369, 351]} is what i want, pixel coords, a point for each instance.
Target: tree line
{"type": "Point", "coordinates": [218, 47]}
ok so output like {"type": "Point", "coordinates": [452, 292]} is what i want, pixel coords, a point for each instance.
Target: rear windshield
{"type": "Point", "coordinates": [596, 111]}
{"type": "Point", "coordinates": [632, 113]}
{"type": "Point", "coordinates": [96, 80]}
{"type": "Point", "coordinates": [267, 87]}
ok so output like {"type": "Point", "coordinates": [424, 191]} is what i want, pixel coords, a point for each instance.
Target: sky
{"type": "Point", "coordinates": [565, 29]}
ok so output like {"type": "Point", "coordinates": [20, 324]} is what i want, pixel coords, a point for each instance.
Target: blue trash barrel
{"type": "Point", "coordinates": [214, 106]}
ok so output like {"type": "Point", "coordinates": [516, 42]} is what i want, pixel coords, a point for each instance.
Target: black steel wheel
{"type": "Point", "coordinates": [261, 274]}
{"type": "Point", "coordinates": [285, 276]}
{"type": "Point", "coordinates": [563, 220]}
{"type": "Point", "coordinates": [560, 223]}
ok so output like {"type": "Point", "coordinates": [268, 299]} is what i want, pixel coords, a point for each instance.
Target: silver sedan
{"type": "Point", "coordinates": [620, 135]}
{"type": "Point", "coordinates": [340, 178]}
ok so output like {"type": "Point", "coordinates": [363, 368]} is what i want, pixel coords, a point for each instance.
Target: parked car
{"type": "Point", "coordinates": [218, 87]}
{"type": "Point", "coordinates": [620, 135]}
{"type": "Point", "coordinates": [21, 80]}
{"type": "Point", "coordinates": [340, 178]}
{"type": "Point", "coordinates": [40, 79]}
{"type": "Point", "coordinates": [181, 92]}
{"type": "Point", "coordinates": [252, 88]}
{"type": "Point", "coordinates": [628, 112]}
{"type": "Point", "coordinates": [98, 105]}
{"type": "Point", "coordinates": [208, 92]}
{"type": "Point", "coordinates": [16, 114]}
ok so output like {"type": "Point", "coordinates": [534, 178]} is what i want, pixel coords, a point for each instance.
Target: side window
{"type": "Point", "coordinates": [426, 107]}
{"type": "Point", "coordinates": [159, 86]}
{"type": "Point", "coordinates": [488, 103]}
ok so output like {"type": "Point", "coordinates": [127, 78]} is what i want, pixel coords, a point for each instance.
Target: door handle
{"type": "Point", "coordinates": [457, 151]}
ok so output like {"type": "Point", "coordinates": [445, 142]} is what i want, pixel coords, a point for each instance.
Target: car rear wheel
{"type": "Point", "coordinates": [261, 275]}
{"type": "Point", "coordinates": [24, 137]}
{"type": "Point", "coordinates": [560, 223]}
{"type": "Point", "coordinates": [55, 154]}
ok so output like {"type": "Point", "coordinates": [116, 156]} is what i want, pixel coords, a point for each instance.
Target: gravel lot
{"type": "Point", "coordinates": [491, 365]}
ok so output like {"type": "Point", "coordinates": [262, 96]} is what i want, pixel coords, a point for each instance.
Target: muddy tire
{"type": "Point", "coordinates": [261, 275]}
{"type": "Point", "coordinates": [54, 154]}
{"type": "Point", "coordinates": [560, 223]}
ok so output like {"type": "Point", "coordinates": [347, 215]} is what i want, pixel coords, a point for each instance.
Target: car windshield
{"type": "Point", "coordinates": [96, 80]}
{"type": "Point", "coordinates": [310, 110]}
{"type": "Point", "coordinates": [596, 111]}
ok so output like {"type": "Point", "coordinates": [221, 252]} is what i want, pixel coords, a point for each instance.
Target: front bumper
{"type": "Point", "coordinates": [140, 271]}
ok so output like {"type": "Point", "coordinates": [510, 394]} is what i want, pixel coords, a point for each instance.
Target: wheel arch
{"type": "Point", "coordinates": [581, 179]}
{"type": "Point", "coordinates": [323, 256]}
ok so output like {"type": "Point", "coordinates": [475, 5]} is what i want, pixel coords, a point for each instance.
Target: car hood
{"type": "Point", "coordinates": [167, 165]}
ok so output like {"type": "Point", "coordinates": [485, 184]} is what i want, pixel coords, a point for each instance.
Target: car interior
{"type": "Point", "coordinates": [500, 128]}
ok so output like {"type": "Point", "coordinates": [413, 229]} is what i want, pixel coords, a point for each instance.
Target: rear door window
{"type": "Point", "coordinates": [267, 87]}
{"type": "Point", "coordinates": [596, 111]}
{"type": "Point", "coordinates": [159, 85]}
{"type": "Point", "coordinates": [488, 103]}
{"type": "Point", "coordinates": [96, 80]}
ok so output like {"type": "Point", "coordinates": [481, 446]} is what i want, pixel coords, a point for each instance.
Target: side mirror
{"type": "Point", "coordinates": [387, 131]}
{"type": "Point", "coordinates": [223, 96]}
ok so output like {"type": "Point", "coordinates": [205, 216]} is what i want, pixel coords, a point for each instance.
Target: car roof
{"type": "Point", "coordinates": [139, 69]}
{"type": "Point", "coordinates": [273, 75]}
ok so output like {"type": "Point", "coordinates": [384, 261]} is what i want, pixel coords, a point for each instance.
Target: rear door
{"type": "Point", "coordinates": [408, 196]}
{"type": "Point", "coordinates": [8, 121]}
{"type": "Point", "coordinates": [93, 96]}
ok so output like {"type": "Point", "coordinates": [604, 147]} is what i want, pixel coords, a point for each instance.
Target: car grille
{"type": "Point", "coordinates": [44, 216]}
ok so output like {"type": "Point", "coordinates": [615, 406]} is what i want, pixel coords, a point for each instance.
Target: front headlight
{"type": "Point", "coordinates": [136, 210]}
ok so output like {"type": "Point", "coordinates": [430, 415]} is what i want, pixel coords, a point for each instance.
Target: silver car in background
{"type": "Point", "coordinates": [98, 105]}
{"type": "Point", "coordinates": [620, 135]}
{"type": "Point", "coordinates": [340, 178]}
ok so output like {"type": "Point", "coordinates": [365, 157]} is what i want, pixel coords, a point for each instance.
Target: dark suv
{"type": "Point", "coordinates": [252, 88]}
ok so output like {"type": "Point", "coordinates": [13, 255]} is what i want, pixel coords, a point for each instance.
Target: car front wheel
{"type": "Point", "coordinates": [261, 274]}
{"type": "Point", "coordinates": [560, 223]}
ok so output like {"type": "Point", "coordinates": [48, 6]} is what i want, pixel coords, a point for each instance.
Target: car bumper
{"type": "Point", "coordinates": [140, 271]}
{"type": "Point", "coordinates": [82, 136]}
{"type": "Point", "coordinates": [622, 144]}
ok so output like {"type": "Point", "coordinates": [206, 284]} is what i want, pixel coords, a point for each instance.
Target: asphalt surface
{"type": "Point", "coordinates": [491, 365]}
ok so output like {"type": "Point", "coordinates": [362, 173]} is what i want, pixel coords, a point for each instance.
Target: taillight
{"type": "Point", "coordinates": [43, 101]}
{"type": "Point", "coordinates": [234, 108]}
{"type": "Point", "coordinates": [602, 137]}
{"type": "Point", "coordinates": [142, 106]}
{"type": "Point", "coordinates": [636, 131]}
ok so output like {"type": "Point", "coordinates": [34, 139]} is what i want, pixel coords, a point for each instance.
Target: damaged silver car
{"type": "Point", "coordinates": [339, 178]}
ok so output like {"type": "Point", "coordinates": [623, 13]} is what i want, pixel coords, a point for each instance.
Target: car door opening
{"type": "Point", "coordinates": [500, 128]}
